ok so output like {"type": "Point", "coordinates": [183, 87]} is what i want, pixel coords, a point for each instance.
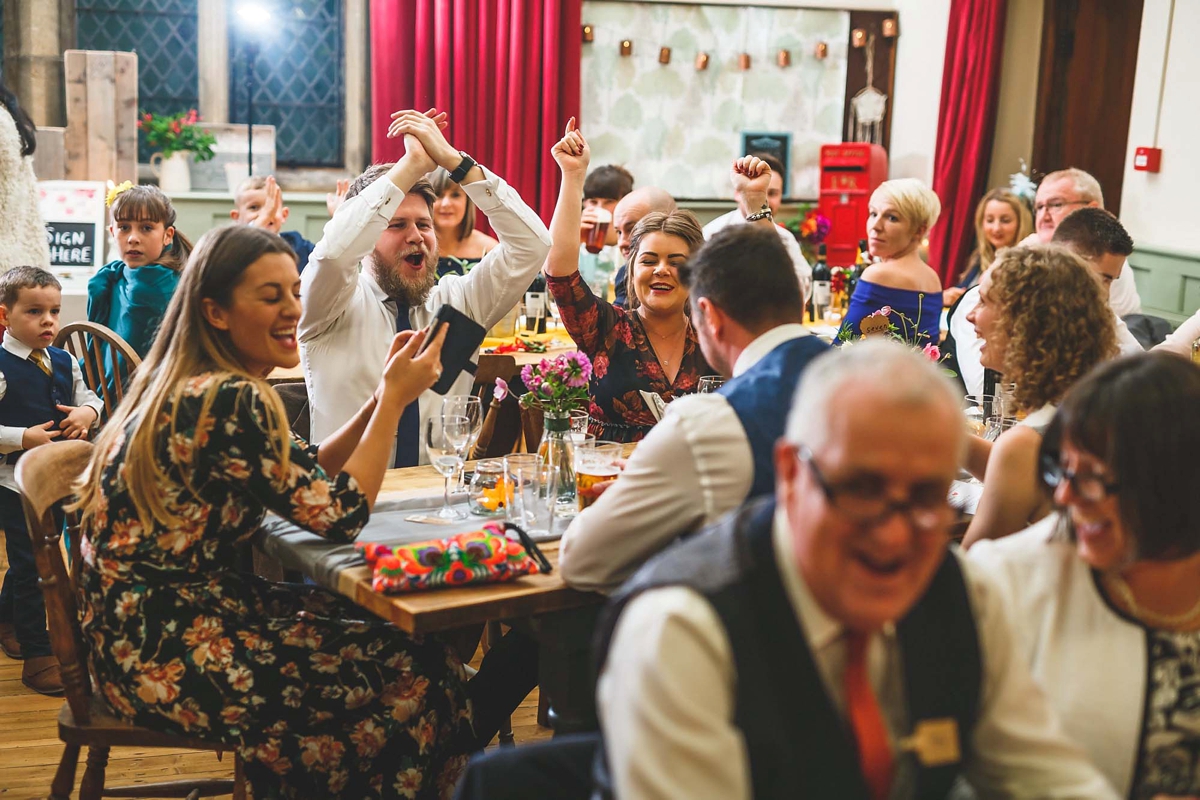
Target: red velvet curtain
{"type": "Point", "coordinates": [966, 124]}
{"type": "Point", "coordinates": [506, 71]}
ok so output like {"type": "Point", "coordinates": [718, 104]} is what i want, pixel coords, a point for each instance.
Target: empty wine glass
{"type": "Point", "coordinates": [709, 383]}
{"type": "Point", "coordinates": [446, 438]}
{"type": "Point", "coordinates": [471, 407]}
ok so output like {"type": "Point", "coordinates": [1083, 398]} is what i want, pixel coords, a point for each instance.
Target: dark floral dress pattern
{"type": "Point", "coordinates": [623, 361]}
{"type": "Point", "coordinates": [319, 699]}
{"type": "Point", "coordinates": [1169, 756]}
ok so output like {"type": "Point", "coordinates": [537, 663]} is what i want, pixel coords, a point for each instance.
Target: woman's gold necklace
{"type": "Point", "coordinates": [1118, 585]}
{"type": "Point", "coordinates": [668, 339]}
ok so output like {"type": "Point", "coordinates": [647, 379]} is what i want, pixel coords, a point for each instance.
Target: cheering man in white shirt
{"type": "Point", "coordinates": [712, 451]}
{"type": "Point", "coordinates": [385, 226]}
{"type": "Point", "coordinates": [774, 200]}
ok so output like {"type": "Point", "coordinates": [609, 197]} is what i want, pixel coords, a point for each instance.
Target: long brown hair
{"type": "Point", "coordinates": [186, 348]}
{"type": "Point", "coordinates": [148, 203]}
{"type": "Point", "coordinates": [985, 251]}
{"type": "Point", "coordinates": [674, 223]}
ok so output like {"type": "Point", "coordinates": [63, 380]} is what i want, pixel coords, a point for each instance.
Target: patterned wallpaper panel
{"type": "Point", "coordinates": [680, 128]}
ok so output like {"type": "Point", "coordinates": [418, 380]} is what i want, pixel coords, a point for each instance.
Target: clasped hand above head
{"type": "Point", "coordinates": [409, 370]}
{"type": "Point", "coordinates": [424, 141]}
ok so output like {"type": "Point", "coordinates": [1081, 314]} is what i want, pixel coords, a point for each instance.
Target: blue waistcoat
{"type": "Point", "coordinates": [32, 396]}
{"type": "Point", "coordinates": [762, 396]}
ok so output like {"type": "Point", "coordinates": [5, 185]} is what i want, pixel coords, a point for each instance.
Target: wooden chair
{"type": "Point", "coordinates": [82, 340]}
{"type": "Point", "coordinates": [45, 476]}
{"type": "Point", "coordinates": [501, 433]}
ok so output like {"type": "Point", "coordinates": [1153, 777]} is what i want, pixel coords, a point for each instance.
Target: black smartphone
{"type": "Point", "coordinates": [463, 338]}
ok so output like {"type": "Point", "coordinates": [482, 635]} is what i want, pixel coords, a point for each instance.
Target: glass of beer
{"type": "Point", "coordinates": [595, 463]}
{"type": "Point", "coordinates": [598, 235]}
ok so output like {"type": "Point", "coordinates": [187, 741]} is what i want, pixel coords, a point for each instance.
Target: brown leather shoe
{"type": "Point", "coordinates": [8, 641]}
{"type": "Point", "coordinates": [42, 674]}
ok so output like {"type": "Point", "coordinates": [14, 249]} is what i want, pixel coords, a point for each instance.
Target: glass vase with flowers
{"type": "Point", "coordinates": [558, 386]}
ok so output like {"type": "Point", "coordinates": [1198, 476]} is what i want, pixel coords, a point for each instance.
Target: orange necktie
{"type": "Point", "coordinates": [39, 357]}
{"type": "Point", "coordinates": [866, 720]}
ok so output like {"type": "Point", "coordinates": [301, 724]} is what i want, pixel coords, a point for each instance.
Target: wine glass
{"type": "Point", "coordinates": [709, 384]}
{"type": "Point", "coordinates": [446, 437]}
{"type": "Point", "coordinates": [471, 407]}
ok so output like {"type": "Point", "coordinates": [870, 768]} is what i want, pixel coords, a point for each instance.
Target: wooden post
{"type": "Point", "coordinates": [102, 108]}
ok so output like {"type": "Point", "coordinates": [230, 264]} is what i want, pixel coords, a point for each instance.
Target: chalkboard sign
{"type": "Point", "coordinates": [775, 144]}
{"type": "Point", "coordinates": [72, 244]}
{"type": "Point", "coordinates": [74, 214]}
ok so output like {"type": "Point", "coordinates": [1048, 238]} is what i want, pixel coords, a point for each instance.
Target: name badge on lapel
{"type": "Point", "coordinates": [934, 742]}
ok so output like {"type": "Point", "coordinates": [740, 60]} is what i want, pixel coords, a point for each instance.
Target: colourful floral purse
{"type": "Point", "coordinates": [486, 556]}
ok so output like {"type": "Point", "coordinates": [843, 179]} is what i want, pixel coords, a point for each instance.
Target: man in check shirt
{"type": "Point", "coordinates": [378, 256]}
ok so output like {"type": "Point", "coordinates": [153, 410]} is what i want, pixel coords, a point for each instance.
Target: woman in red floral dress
{"type": "Point", "coordinates": [318, 697]}
{"type": "Point", "coordinates": [652, 347]}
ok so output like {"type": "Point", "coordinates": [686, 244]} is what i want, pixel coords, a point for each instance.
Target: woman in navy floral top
{"type": "Point", "coordinates": [318, 698]}
{"type": "Point", "coordinates": [651, 347]}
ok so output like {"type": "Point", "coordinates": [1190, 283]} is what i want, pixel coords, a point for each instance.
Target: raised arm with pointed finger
{"type": "Point", "coordinates": [572, 155]}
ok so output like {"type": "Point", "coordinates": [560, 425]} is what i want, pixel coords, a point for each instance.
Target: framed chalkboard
{"type": "Point", "coordinates": [778, 145]}
{"type": "Point", "coordinates": [74, 214]}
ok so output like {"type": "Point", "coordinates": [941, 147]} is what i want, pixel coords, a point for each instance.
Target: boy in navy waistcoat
{"type": "Point", "coordinates": [42, 398]}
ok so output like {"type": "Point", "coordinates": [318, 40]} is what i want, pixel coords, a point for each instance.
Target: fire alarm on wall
{"type": "Point", "coordinates": [1147, 159]}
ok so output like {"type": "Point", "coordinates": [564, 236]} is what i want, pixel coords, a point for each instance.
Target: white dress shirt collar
{"type": "Point", "coordinates": [15, 346]}
{"type": "Point", "coordinates": [756, 350]}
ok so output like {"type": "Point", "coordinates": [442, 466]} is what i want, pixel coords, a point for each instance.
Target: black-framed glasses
{"type": "Point", "coordinates": [1057, 205]}
{"type": "Point", "coordinates": [1089, 486]}
{"type": "Point", "coordinates": [864, 502]}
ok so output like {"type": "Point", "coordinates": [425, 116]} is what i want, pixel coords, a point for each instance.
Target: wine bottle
{"type": "Point", "coordinates": [821, 277]}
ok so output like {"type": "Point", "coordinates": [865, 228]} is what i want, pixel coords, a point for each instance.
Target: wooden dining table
{"type": "Point", "coordinates": [560, 618]}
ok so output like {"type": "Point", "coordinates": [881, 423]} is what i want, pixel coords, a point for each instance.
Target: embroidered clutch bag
{"type": "Point", "coordinates": [485, 556]}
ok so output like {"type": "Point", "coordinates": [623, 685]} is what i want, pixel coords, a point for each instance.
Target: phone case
{"type": "Point", "coordinates": [463, 339]}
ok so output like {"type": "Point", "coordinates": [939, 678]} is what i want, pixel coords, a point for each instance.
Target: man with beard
{"type": "Point", "coordinates": [374, 273]}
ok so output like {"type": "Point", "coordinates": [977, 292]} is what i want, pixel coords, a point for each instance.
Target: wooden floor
{"type": "Point", "coordinates": [30, 749]}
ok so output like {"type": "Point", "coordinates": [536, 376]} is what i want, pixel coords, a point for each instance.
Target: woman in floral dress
{"type": "Point", "coordinates": [319, 699]}
{"type": "Point", "coordinates": [653, 347]}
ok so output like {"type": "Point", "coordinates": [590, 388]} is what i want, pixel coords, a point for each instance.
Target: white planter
{"type": "Point", "coordinates": [174, 173]}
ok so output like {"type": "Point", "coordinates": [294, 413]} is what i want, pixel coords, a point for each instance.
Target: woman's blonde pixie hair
{"type": "Point", "coordinates": [915, 201]}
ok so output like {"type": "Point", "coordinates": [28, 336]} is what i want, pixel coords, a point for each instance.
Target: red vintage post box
{"type": "Point", "coordinates": [850, 171]}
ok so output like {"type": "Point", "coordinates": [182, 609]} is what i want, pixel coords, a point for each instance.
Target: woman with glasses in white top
{"type": "Point", "coordinates": [1105, 594]}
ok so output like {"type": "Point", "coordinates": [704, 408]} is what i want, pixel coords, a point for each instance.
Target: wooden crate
{"type": "Point", "coordinates": [102, 108]}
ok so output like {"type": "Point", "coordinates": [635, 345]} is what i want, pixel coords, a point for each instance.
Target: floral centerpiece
{"type": "Point", "coordinates": [558, 386]}
{"type": "Point", "coordinates": [177, 133]}
{"type": "Point", "coordinates": [879, 323]}
{"type": "Point", "coordinates": [810, 227]}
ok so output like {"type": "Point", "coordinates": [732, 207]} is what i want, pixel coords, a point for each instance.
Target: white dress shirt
{"type": "Point", "coordinates": [1064, 629]}
{"type": "Point", "coordinates": [348, 323]}
{"type": "Point", "coordinates": [1183, 338]}
{"type": "Point", "coordinates": [968, 346]}
{"type": "Point", "coordinates": [803, 268]}
{"type": "Point", "coordinates": [666, 699]}
{"type": "Point", "coordinates": [691, 469]}
{"type": "Point", "coordinates": [11, 435]}
{"type": "Point", "coordinates": [1123, 295]}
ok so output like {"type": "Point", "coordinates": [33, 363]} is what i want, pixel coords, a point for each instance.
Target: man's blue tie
{"type": "Point", "coordinates": [408, 432]}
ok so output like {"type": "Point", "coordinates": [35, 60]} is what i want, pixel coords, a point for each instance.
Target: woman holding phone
{"type": "Point", "coordinates": [318, 698]}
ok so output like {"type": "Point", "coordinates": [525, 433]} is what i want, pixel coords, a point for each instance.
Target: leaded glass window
{"type": "Point", "coordinates": [298, 80]}
{"type": "Point", "coordinates": [164, 35]}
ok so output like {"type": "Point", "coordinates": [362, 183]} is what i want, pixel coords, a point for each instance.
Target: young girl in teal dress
{"type": "Point", "coordinates": [130, 295]}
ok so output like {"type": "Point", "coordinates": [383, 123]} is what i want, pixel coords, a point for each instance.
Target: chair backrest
{"type": "Point", "coordinates": [45, 476]}
{"type": "Point", "coordinates": [82, 340]}
{"type": "Point", "coordinates": [501, 433]}
{"type": "Point", "coordinates": [294, 395]}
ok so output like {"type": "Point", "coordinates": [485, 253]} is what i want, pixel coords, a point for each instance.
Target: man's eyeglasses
{"type": "Point", "coordinates": [1055, 206]}
{"type": "Point", "coordinates": [863, 500]}
{"type": "Point", "coordinates": [1090, 487]}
